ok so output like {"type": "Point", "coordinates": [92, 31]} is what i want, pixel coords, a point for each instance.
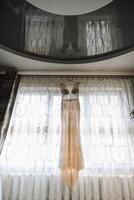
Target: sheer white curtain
{"type": "Point", "coordinates": [107, 135]}
{"type": "Point", "coordinates": [106, 128]}
{"type": "Point", "coordinates": [31, 153]}
{"type": "Point", "coordinates": [102, 36]}
{"type": "Point", "coordinates": [37, 33]}
{"type": "Point", "coordinates": [42, 32]}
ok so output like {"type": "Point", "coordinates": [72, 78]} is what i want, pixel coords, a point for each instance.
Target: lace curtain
{"type": "Point", "coordinates": [31, 154]}
{"type": "Point", "coordinates": [102, 36]}
{"type": "Point", "coordinates": [42, 32]}
{"type": "Point", "coordinates": [48, 35]}
{"type": "Point", "coordinates": [106, 128]}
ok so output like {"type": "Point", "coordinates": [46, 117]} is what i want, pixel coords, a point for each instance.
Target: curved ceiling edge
{"type": "Point", "coordinates": [82, 60]}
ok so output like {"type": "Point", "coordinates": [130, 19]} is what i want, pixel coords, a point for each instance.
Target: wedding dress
{"type": "Point", "coordinates": [71, 155]}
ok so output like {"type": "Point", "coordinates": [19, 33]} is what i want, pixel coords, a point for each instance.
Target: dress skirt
{"type": "Point", "coordinates": [71, 160]}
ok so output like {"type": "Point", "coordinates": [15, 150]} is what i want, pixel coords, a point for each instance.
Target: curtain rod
{"type": "Point", "coordinates": [79, 73]}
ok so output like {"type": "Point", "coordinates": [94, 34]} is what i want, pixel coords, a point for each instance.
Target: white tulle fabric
{"type": "Point", "coordinates": [31, 153]}
{"type": "Point", "coordinates": [102, 36]}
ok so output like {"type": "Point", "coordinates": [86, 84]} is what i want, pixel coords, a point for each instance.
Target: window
{"type": "Point", "coordinates": [31, 153]}
{"type": "Point", "coordinates": [105, 132]}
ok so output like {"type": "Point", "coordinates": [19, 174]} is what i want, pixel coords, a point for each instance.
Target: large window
{"type": "Point", "coordinates": [31, 154]}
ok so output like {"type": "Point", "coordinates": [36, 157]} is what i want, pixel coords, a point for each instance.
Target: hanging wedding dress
{"type": "Point", "coordinates": [71, 156]}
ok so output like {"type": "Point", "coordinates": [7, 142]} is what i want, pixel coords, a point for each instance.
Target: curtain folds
{"type": "Point", "coordinates": [42, 32]}
{"type": "Point", "coordinates": [102, 36]}
{"type": "Point", "coordinates": [61, 36]}
{"type": "Point", "coordinates": [31, 159]}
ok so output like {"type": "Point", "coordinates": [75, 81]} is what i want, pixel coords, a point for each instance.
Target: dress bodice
{"type": "Point", "coordinates": [70, 93]}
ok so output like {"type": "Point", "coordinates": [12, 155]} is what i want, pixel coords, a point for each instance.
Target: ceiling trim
{"type": "Point", "coordinates": [119, 64]}
{"type": "Point", "coordinates": [80, 60]}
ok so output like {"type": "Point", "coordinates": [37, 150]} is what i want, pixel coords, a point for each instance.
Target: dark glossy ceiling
{"type": "Point", "coordinates": [37, 34]}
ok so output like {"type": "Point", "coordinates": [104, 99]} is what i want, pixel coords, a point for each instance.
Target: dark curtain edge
{"type": "Point", "coordinates": [132, 91]}
{"type": "Point", "coordinates": [9, 109]}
